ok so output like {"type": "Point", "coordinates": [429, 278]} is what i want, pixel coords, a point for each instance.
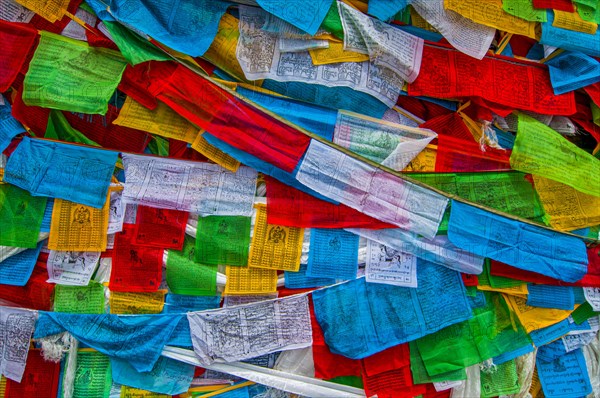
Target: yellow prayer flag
{"type": "Point", "coordinates": [334, 54]}
{"type": "Point", "coordinates": [130, 392]}
{"type": "Point", "coordinates": [274, 246]}
{"type": "Point", "coordinates": [534, 318]}
{"type": "Point", "coordinates": [419, 22]}
{"type": "Point", "coordinates": [215, 154]}
{"type": "Point", "coordinates": [572, 21]}
{"type": "Point", "coordinates": [222, 51]}
{"type": "Point", "coordinates": [246, 280]}
{"type": "Point", "coordinates": [566, 208]}
{"type": "Point", "coordinates": [425, 160]}
{"type": "Point", "coordinates": [536, 387]}
{"type": "Point", "coordinates": [76, 227]}
{"type": "Point", "coordinates": [162, 121]}
{"type": "Point", "coordinates": [2, 386]}
{"type": "Point", "coordinates": [519, 291]}
{"type": "Point", "coordinates": [52, 10]}
{"type": "Point", "coordinates": [137, 303]}
{"type": "Point", "coordinates": [490, 13]}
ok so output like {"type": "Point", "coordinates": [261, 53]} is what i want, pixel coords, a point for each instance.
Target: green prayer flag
{"type": "Point", "coordinates": [20, 217]}
{"type": "Point", "coordinates": [79, 299]}
{"type": "Point", "coordinates": [583, 313]}
{"type": "Point", "coordinates": [184, 276]}
{"type": "Point", "coordinates": [524, 9]}
{"type": "Point", "coordinates": [509, 192]}
{"type": "Point", "coordinates": [500, 380]}
{"type": "Point", "coordinates": [419, 373]}
{"type": "Point", "coordinates": [58, 128]}
{"type": "Point", "coordinates": [70, 75]}
{"type": "Point", "coordinates": [93, 377]}
{"type": "Point", "coordinates": [491, 332]}
{"type": "Point", "coordinates": [135, 49]}
{"type": "Point", "coordinates": [352, 381]}
{"type": "Point", "coordinates": [595, 111]}
{"type": "Point", "coordinates": [332, 22]}
{"type": "Point", "coordinates": [223, 240]}
{"type": "Point", "coordinates": [588, 13]}
{"type": "Point", "coordinates": [159, 146]}
{"type": "Point", "coordinates": [542, 151]}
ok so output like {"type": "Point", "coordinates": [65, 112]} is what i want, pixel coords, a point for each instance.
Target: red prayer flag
{"type": "Point", "coordinates": [40, 380]}
{"type": "Point", "coordinates": [160, 228]}
{"type": "Point", "coordinates": [393, 358]}
{"type": "Point", "coordinates": [34, 117]}
{"type": "Point", "coordinates": [470, 279]}
{"type": "Point", "coordinates": [421, 108]}
{"type": "Point", "coordinates": [17, 39]}
{"type": "Point", "coordinates": [134, 268]}
{"type": "Point", "coordinates": [137, 80]}
{"type": "Point", "coordinates": [459, 155]}
{"type": "Point", "coordinates": [561, 5]}
{"type": "Point", "coordinates": [450, 124]}
{"type": "Point", "coordinates": [100, 128]}
{"type": "Point", "coordinates": [36, 294]}
{"type": "Point", "coordinates": [395, 383]}
{"type": "Point", "coordinates": [293, 208]}
{"type": "Point", "coordinates": [593, 90]}
{"type": "Point", "coordinates": [232, 120]}
{"type": "Point", "coordinates": [510, 83]}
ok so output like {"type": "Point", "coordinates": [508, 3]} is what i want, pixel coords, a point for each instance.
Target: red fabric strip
{"type": "Point", "coordinates": [470, 280]}
{"type": "Point", "coordinates": [447, 73]}
{"type": "Point", "coordinates": [394, 358]}
{"type": "Point", "coordinates": [34, 117]}
{"type": "Point", "coordinates": [17, 39]}
{"type": "Point", "coordinates": [562, 5]}
{"type": "Point", "coordinates": [40, 379]}
{"type": "Point", "coordinates": [160, 228]}
{"type": "Point", "coordinates": [459, 155]}
{"type": "Point", "coordinates": [134, 268]}
{"type": "Point", "coordinates": [36, 294]}
{"type": "Point", "coordinates": [137, 80]}
{"type": "Point", "coordinates": [294, 208]}
{"type": "Point", "coordinates": [450, 124]}
{"type": "Point", "coordinates": [233, 121]}
{"type": "Point", "coordinates": [395, 383]}
{"type": "Point", "coordinates": [100, 129]}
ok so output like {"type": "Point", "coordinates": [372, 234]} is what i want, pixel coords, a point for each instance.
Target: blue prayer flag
{"type": "Point", "coordinates": [137, 339]}
{"type": "Point", "coordinates": [386, 9]}
{"type": "Point", "coordinates": [9, 126]}
{"type": "Point", "coordinates": [383, 315]}
{"type": "Point", "coordinates": [168, 376]}
{"type": "Point", "coordinates": [314, 118]}
{"type": "Point", "coordinates": [569, 39]}
{"type": "Point", "coordinates": [71, 172]}
{"type": "Point", "coordinates": [16, 270]}
{"type": "Point", "coordinates": [515, 243]}
{"type": "Point", "coordinates": [303, 14]}
{"type": "Point", "coordinates": [188, 26]}
{"type": "Point", "coordinates": [333, 254]}
{"type": "Point", "coordinates": [572, 70]}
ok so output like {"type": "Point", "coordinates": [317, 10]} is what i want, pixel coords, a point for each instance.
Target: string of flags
{"type": "Point", "coordinates": [322, 198]}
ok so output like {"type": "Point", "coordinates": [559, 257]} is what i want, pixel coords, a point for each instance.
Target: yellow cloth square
{"type": "Point", "coordinates": [246, 280]}
{"type": "Point", "coordinates": [275, 246]}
